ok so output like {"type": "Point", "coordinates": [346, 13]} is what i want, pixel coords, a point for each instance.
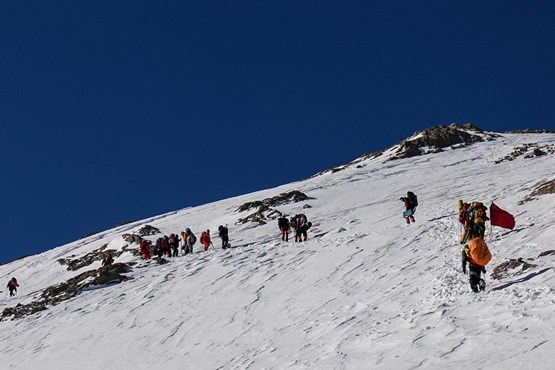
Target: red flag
{"type": "Point", "coordinates": [501, 218]}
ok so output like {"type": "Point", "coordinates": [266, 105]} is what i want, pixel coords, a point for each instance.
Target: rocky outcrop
{"type": "Point", "coordinates": [544, 189]}
{"type": "Point", "coordinates": [265, 208]}
{"type": "Point", "coordinates": [261, 216]}
{"type": "Point", "coordinates": [531, 150]}
{"type": "Point", "coordinates": [546, 253]}
{"type": "Point", "coordinates": [55, 294]}
{"type": "Point", "coordinates": [518, 266]}
{"type": "Point", "coordinates": [148, 230]}
{"type": "Point", "coordinates": [284, 198]}
{"type": "Point", "coordinates": [432, 140]}
{"type": "Point", "coordinates": [74, 264]}
{"type": "Point", "coordinates": [437, 138]}
{"type": "Point", "coordinates": [137, 238]}
{"type": "Point", "coordinates": [511, 268]}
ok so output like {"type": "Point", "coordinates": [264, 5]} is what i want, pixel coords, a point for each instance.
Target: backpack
{"type": "Point", "coordinates": [192, 239]}
{"type": "Point", "coordinates": [413, 199]}
{"type": "Point", "coordinates": [479, 251]}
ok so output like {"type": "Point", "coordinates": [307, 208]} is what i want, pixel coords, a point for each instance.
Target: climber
{"type": "Point", "coordinates": [411, 202]}
{"type": "Point", "coordinates": [12, 286]}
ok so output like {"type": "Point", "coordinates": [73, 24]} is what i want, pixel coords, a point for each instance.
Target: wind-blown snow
{"type": "Point", "coordinates": [365, 292]}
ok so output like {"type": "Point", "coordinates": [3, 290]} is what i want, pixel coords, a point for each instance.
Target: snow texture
{"type": "Point", "coordinates": [366, 291]}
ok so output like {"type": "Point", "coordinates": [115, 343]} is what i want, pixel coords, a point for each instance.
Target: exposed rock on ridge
{"type": "Point", "coordinates": [432, 140]}
{"type": "Point", "coordinates": [265, 210]}
{"type": "Point", "coordinates": [437, 138]}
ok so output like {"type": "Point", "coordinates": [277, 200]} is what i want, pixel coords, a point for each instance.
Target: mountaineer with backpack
{"type": "Point", "coordinates": [473, 217]}
{"type": "Point", "coordinates": [166, 249]}
{"type": "Point", "coordinates": [477, 255]}
{"type": "Point", "coordinates": [158, 248]}
{"type": "Point", "coordinates": [12, 286]}
{"type": "Point", "coordinates": [411, 202]}
{"type": "Point", "coordinates": [301, 227]}
{"type": "Point", "coordinates": [205, 239]}
{"type": "Point", "coordinates": [283, 224]}
{"type": "Point", "coordinates": [189, 239]}
{"type": "Point", "coordinates": [145, 249]}
{"type": "Point", "coordinates": [174, 244]}
{"type": "Point", "coordinates": [223, 233]}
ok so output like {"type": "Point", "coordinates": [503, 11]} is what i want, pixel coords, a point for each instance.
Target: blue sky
{"type": "Point", "coordinates": [120, 110]}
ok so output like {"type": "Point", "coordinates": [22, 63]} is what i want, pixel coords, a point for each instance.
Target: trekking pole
{"type": "Point", "coordinates": [213, 247]}
{"type": "Point", "coordinates": [490, 233]}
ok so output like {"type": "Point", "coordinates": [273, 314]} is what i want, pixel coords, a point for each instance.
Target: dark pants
{"type": "Point", "coordinates": [225, 241]}
{"type": "Point", "coordinates": [285, 233]}
{"type": "Point", "coordinates": [477, 284]}
{"type": "Point", "coordinates": [301, 234]}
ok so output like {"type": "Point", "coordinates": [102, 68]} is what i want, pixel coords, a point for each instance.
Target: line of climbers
{"type": "Point", "coordinates": [475, 253]}
{"type": "Point", "coordinates": [169, 245]}
{"type": "Point", "coordinates": [472, 216]}
{"type": "Point", "coordinates": [299, 223]}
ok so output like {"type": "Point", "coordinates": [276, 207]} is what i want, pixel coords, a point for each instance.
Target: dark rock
{"type": "Point", "coordinates": [528, 150]}
{"type": "Point", "coordinates": [437, 138]}
{"type": "Point", "coordinates": [132, 238]}
{"type": "Point", "coordinates": [546, 188]}
{"type": "Point", "coordinates": [264, 207]}
{"type": "Point", "coordinates": [546, 253]}
{"type": "Point", "coordinates": [510, 268]}
{"type": "Point", "coordinates": [148, 230]}
{"type": "Point", "coordinates": [538, 152]}
{"type": "Point", "coordinates": [69, 289]}
{"type": "Point", "coordinates": [429, 141]}
{"type": "Point", "coordinates": [74, 264]}
{"type": "Point", "coordinates": [284, 198]}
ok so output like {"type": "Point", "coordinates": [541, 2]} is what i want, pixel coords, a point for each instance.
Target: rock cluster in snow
{"type": "Point", "coordinates": [69, 289]}
{"type": "Point", "coordinates": [544, 189]}
{"type": "Point", "coordinates": [265, 208]}
{"type": "Point", "coordinates": [529, 150]}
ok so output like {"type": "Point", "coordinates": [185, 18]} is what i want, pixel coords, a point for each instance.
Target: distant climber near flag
{"type": "Point", "coordinates": [501, 218]}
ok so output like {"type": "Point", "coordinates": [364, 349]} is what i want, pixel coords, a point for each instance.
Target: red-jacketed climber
{"type": "Point", "coordinates": [145, 249]}
{"type": "Point", "coordinates": [12, 286]}
{"type": "Point", "coordinates": [205, 239]}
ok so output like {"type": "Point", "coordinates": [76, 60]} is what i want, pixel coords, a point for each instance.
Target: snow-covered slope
{"type": "Point", "coordinates": [366, 291]}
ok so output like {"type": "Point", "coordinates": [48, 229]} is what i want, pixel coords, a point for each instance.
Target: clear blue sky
{"type": "Point", "coordinates": [120, 110]}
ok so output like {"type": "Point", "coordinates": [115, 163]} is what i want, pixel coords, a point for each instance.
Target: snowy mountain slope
{"type": "Point", "coordinates": [366, 290]}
